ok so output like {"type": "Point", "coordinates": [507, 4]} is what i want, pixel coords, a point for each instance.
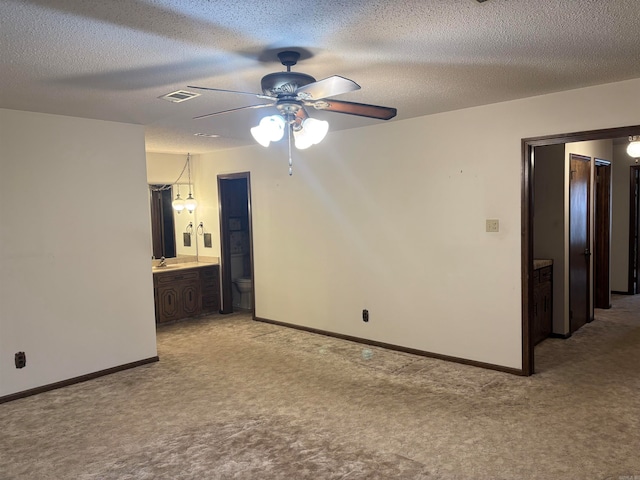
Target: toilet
{"type": "Point", "coordinates": [241, 296]}
{"type": "Point", "coordinates": [243, 288]}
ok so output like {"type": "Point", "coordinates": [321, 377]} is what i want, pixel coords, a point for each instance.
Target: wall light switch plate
{"type": "Point", "coordinates": [186, 239]}
{"type": "Point", "coordinates": [493, 225]}
{"type": "Point", "coordinates": [207, 240]}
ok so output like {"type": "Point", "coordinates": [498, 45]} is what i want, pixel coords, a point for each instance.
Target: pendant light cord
{"type": "Point", "coordinates": [189, 171]}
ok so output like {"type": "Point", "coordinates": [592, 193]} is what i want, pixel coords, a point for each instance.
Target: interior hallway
{"type": "Point", "coordinates": [233, 398]}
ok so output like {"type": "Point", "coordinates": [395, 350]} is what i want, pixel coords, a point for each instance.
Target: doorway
{"type": "Point", "coordinates": [527, 216]}
{"type": "Point", "coordinates": [236, 243]}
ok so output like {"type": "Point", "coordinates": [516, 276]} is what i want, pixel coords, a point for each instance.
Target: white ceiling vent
{"type": "Point", "coordinates": [179, 96]}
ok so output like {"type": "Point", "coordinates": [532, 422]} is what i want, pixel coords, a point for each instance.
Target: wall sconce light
{"type": "Point", "coordinates": [633, 149]}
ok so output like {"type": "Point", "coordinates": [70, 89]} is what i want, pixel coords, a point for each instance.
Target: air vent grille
{"type": "Point", "coordinates": [208, 135]}
{"type": "Point", "coordinates": [179, 96]}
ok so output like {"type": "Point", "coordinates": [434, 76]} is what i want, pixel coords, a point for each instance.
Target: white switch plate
{"type": "Point", "coordinates": [493, 225]}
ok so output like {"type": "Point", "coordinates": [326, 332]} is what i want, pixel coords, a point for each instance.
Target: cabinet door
{"type": "Point", "coordinates": [190, 299]}
{"type": "Point", "coordinates": [210, 285]}
{"type": "Point", "coordinates": [536, 330]}
{"type": "Point", "coordinates": [168, 303]}
{"type": "Point", "coordinates": [546, 318]}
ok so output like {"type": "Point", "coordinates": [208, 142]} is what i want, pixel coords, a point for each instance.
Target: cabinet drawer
{"type": "Point", "coordinates": [164, 278]}
{"type": "Point", "coordinates": [209, 272]}
{"type": "Point", "coordinates": [536, 276]}
{"type": "Point", "coordinates": [545, 274]}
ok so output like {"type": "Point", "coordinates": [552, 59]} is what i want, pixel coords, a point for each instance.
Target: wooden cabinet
{"type": "Point", "coordinates": [210, 289]}
{"type": "Point", "coordinates": [542, 303]}
{"type": "Point", "coordinates": [186, 293]}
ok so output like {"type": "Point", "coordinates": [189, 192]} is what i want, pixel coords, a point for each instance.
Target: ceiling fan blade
{"type": "Point", "coordinates": [327, 87]}
{"type": "Point", "coordinates": [257, 95]}
{"type": "Point", "coordinates": [360, 109]}
{"type": "Point", "coordinates": [260, 105]}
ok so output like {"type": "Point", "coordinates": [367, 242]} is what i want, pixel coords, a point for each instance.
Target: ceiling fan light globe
{"type": "Point", "coordinates": [316, 130]}
{"type": "Point", "coordinates": [273, 127]}
{"type": "Point", "coordinates": [302, 139]}
{"type": "Point", "coordinates": [260, 135]}
{"type": "Point", "coordinates": [633, 149]}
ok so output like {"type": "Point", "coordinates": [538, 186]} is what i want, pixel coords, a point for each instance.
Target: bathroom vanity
{"type": "Point", "coordinates": [542, 299]}
{"type": "Point", "coordinates": [186, 290]}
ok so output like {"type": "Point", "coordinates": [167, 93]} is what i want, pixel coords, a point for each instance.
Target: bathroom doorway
{"type": "Point", "coordinates": [236, 242]}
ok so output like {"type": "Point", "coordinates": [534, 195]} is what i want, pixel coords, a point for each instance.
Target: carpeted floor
{"type": "Point", "coordinates": [237, 399]}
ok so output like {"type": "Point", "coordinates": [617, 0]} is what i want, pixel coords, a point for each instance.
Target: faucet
{"type": "Point", "coordinates": [163, 262]}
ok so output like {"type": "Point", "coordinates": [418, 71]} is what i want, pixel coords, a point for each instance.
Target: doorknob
{"type": "Point", "coordinates": [586, 252]}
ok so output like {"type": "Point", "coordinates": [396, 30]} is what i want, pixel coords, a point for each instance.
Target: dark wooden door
{"type": "Point", "coordinates": [579, 251]}
{"type": "Point", "coordinates": [602, 235]}
{"type": "Point", "coordinates": [634, 230]}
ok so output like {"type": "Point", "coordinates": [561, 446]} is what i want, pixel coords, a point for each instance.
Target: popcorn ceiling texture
{"type": "Point", "coordinates": [236, 399]}
{"type": "Point", "coordinates": [112, 60]}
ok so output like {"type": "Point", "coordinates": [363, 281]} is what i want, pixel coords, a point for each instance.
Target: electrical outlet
{"type": "Point", "coordinates": [365, 315]}
{"type": "Point", "coordinates": [493, 225]}
{"type": "Point", "coordinates": [21, 360]}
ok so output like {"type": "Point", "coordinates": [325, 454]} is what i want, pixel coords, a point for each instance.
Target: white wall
{"type": "Point", "coordinates": [620, 170]}
{"type": "Point", "coordinates": [392, 218]}
{"type": "Point", "coordinates": [76, 291]}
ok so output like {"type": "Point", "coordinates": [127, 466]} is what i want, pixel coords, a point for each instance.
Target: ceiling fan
{"type": "Point", "coordinates": [290, 92]}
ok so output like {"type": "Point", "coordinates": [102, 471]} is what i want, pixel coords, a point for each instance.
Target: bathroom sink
{"type": "Point", "coordinates": [166, 267]}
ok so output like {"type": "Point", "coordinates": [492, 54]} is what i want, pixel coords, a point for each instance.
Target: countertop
{"type": "Point", "coordinates": [541, 263]}
{"type": "Point", "coordinates": [181, 266]}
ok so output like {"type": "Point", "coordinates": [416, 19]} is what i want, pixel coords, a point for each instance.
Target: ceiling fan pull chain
{"type": "Point", "coordinates": [290, 160]}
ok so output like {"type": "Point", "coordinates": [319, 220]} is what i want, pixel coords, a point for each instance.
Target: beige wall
{"type": "Point", "coordinates": [76, 290]}
{"type": "Point", "coordinates": [392, 218]}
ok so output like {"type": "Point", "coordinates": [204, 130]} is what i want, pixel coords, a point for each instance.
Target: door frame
{"type": "Point", "coordinates": [225, 252]}
{"type": "Point", "coordinates": [526, 188]}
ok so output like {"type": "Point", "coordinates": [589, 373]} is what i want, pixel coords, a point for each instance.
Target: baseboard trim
{"type": "Point", "coordinates": [563, 336]}
{"type": "Point", "coordinates": [389, 346]}
{"type": "Point", "coordinates": [617, 292]}
{"type": "Point", "coordinates": [80, 379]}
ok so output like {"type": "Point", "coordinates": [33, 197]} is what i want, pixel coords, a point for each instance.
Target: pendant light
{"type": "Point", "coordinates": [178, 203]}
{"type": "Point", "coordinates": [189, 203]}
{"type": "Point", "coordinates": [633, 149]}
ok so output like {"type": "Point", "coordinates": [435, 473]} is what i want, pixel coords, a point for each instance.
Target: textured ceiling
{"type": "Point", "coordinates": [112, 59]}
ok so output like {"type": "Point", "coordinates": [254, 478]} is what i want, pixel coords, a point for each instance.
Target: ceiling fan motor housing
{"type": "Point", "coordinates": [284, 83]}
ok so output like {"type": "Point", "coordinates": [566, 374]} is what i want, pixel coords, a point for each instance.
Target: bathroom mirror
{"type": "Point", "coordinates": [173, 234]}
